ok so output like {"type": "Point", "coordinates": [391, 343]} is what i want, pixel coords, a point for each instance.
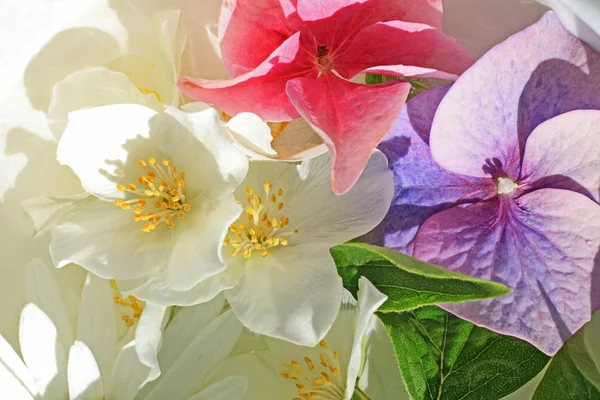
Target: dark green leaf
{"type": "Point", "coordinates": [443, 357]}
{"type": "Point", "coordinates": [408, 282]}
{"type": "Point", "coordinates": [570, 374]}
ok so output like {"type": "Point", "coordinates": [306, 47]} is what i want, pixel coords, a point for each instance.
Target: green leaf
{"type": "Point", "coordinates": [572, 374]}
{"type": "Point", "coordinates": [443, 357]}
{"type": "Point", "coordinates": [408, 282]}
{"type": "Point", "coordinates": [417, 85]}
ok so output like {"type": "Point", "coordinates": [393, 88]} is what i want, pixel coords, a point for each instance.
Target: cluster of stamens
{"type": "Point", "coordinates": [319, 380]}
{"type": "Point", "coordinates": [134, 307]}
{"type": "Point", "coordinates": [160, 198]}
{"type": "Point", "coordinates": [266, 227]}
{"type": "Point", "coordinates": [506, 186]}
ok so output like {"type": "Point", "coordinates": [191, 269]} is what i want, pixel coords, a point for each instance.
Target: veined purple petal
{"type": "Point", "coordinates": [544, 246]}
{"type": "Point", "coordinates": [484, 121]}
{"type": "Point", "coordinates": [422, 187]}
{"type": "Point", "coordinates": [564, 152]}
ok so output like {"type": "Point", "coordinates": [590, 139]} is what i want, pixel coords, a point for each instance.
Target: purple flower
{"type": "Point", "coordinates": [503, 184]}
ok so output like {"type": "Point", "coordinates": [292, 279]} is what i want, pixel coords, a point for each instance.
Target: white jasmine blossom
{"type": "Point", "coordinates": [280, 279]}
{"type": "Point", "coordinates": [580, 17]}
{"type": "Point", "coordinates": [104, 357]}
{"type": "Point", "coordinates": [328, 371]}
{"type": "Point", "coordinates": [163, 202]}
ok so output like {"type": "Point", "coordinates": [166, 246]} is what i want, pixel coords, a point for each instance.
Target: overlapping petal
{"type": "Point", "coordinates": [260, 91]}
{"type": "Point", "coordinates": [481, 130]}
{"type": "Point", "coordinates": [402, 46]}
{"type": "Point", "coordinates": [293, 294]}
{"type": "Point", "coordinates": [575, 164]}
{"type": "Point", "coordinates": [421, 187]}
{"type": "Point", "coordinates": [544, 247]}
{"type": "Point", "coordinates": [351, 118]}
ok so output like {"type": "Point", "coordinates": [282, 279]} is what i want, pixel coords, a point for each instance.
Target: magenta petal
{"type": "Point", "coordinates": [350, 117]}
{"type": "Point", "coordinates": [484, 121]}
{"type": "Point", "coordinates": [333, 22]}
{"type": "Point", "coordinates": [402, 44]}
{"type": "Point", "coordinates": [249, 31]}
{"type": "Point", "coordinates": [422, 188]}
{"type": "Point", "coordinates": [545, 247]}
{"type": "Point", "coordinates": [260, 91]}
{"type": "Point", "coordinates": [564, 152]}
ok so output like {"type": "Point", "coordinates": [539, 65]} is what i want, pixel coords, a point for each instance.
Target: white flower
{"type": "Point", "coordinates": [163, 184]}
{"type": "Point", "coordinates": [104, 357]}
{"type": "Point", "coordinates": [329, 370]}
{"type": "Point", "coordinates": [281, 280]}
{"type": "Point", "coordinates": [580, 17]}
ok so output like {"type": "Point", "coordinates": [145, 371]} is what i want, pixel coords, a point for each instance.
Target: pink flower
{"type": "Point", "coordinates": [294, 58]}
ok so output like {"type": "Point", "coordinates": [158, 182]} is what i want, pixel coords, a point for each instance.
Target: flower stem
{"type": "Point", "coordinates": [360, 395]}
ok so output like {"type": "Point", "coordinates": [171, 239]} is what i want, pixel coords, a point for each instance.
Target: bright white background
{"type": "Point", "coordinates": [44, 40]}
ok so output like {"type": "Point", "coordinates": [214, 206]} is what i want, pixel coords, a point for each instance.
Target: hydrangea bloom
{"type": "Point", "coordinates": [282, 56]}
{"type": "Point", "coordinates": [503, 183]}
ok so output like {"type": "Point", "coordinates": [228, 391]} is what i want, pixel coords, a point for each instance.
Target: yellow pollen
{"type": "Point", "coordinates": [315, 382]}
{"type": "Point", "coordinates": [168, 200]}
{"type": "Point", "coordinates": [131, 307]}
{"type": "Point", "coordinates": [266, 228]}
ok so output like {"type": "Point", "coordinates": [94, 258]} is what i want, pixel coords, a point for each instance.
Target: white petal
{"type": "Point", "coordinates": [148, 336]}
{"type": "Point", "coordinates": [381, 377]}
{"type": "Point", "coordinates": [84, 376]}
{"type": "Point", "coordinates": [252, 134]}
{"type": "Point", "coordinates": [298, 141]}
{"type": "Point", "coordinates": [196, 254]}
{"type": "Point", "coordinates": [15, 379]}
{"type": "Point", "coordinates": [43, 291]}
{"type": "Point", "coordinates": [263, 382]}
{"type": "Point", "coordinates": [292, 294]}
{"type": "Point", "coordinates": [203, 355]}
{"type": "Point", "coordinates": [213, 165]}
{"type": "Point", "coordinates": [230, 388]}
{"type": "Point", "coordinates": [188, 323]}
{"type": "Point", "coordinates": [326, 218]}
{"type": "Point", "coordinates": [156, 291]}
{"type": "Point", "coordinates": [103, 144]}
{"type": "Point", "coordinates": [580, 17]}
{"type": "Point", "coordinates": [47, 211]}
{"type": "Point", "coordinates": [93, 87]}
{"type": "Point", "coordinates": [321, 217]}
{"type": "Point", "coordinates": [369, 300]}
{"type": "Point", "coordinates": [43, 352]}
{"type": "Point", "coordinates": [172, 36]}
{"type": "Point", "coordinates": [105, 240]}
{"type": "Point", "coordinates": [128, 375]}
{"type": "Point", "coordinates": [96, 326]}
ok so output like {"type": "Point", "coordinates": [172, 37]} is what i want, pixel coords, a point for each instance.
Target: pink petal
{"type": "Point", "coordinates": [544, 246]}
{"type": "Point", "coordinates": [575, 163]}
{"type": "Point", "coordinates": [341, 18]}
{"type": "Point", "coordinates": [260, 91]}
{"type": "Point", "coordinates": [249, 31]}
{"type": "Point", "coordinates": [402, 46]}
{"type": "Point", "coordinates": [485, 119]}
{"type": "Point", "coordinates": [351, 118]}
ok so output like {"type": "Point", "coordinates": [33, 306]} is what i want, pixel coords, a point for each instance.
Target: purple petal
{"type": "Point", "coordinates": [483, 123]}
{"type": "Point", "coordinates": [544, 246]}
{"type": "Point", "coordinates": [572, 165]}
{"type": "Point", "coordinates": [422, 188]}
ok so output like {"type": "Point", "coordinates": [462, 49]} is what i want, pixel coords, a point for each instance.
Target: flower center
{"type": "Point", "coordinates": [133, 307]}
{"type": "Point", "coordinates": [266, 227]}
{"type": "Point", "coordinates": [506, 186]}
{"type": "Point", "coordinates": [161, 200]}
{"type": "Point", "coordinates": [320, 381]}
{"type": "Point", "coordinates": [323, 59]}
